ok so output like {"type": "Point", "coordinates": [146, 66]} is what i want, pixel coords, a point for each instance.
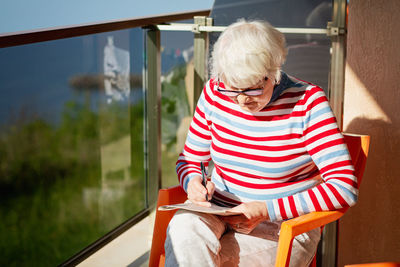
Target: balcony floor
{"type": "Point", "coordinates": [132, 248]}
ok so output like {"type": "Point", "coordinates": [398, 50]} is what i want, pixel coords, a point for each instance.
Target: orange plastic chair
{"type": "Point", "coordinates": [169, 196]}
{"type": "Point", "coordinates": [378, 264]}
{"type": "Point", "coordinates": [358, 146]}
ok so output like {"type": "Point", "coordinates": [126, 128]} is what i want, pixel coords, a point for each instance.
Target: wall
{"type": "Point", "coordinates": [370, 231]}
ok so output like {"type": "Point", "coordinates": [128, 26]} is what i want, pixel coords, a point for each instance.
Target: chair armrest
{"type": "Point", "coordinates": [307, 222]}
{"type": "Point", "coordinates": [171, 195]}
{"type": "Point", "coordinates": [299, 225]}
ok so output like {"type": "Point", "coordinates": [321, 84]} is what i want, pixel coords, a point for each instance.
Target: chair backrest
{"type": "Point", "coordinates": [358, 146]}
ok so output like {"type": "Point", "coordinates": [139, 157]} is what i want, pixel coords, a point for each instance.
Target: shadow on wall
{"type": "Point", "coordinates": [370, 232]}
{"type": "Point", "coordinates": [372, 225]}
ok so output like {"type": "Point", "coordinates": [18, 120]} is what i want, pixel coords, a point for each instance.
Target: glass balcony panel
{"type": "Point", "coordinates": [177, 98]}
{"type": "Point", "coordinates": [71, 144]}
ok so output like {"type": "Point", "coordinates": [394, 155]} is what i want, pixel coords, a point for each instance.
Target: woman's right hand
{"type": "Point", "coordinates": [197, 192]}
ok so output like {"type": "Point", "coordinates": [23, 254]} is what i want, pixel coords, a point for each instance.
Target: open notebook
{"type": "Point", "coordinates": [214, 209]}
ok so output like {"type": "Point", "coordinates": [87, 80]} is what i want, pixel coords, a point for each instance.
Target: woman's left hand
{"type": "Point", "coordinates": [254, 213]}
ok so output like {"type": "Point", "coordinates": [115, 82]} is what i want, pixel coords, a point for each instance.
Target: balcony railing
{"type": "Point", "coordinates": [59, 121]}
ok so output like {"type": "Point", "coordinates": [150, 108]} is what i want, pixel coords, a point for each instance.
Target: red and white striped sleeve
{"type": "Point", "coordinates": [325, 144]}
{"type": "Point", "coordinates": [198, 141]}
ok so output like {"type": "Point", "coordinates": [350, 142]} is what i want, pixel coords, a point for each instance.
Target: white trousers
{"type": "Point", "coordinates": [198, 239]}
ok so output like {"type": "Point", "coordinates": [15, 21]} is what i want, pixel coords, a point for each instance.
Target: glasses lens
{"type": "Point", "coordinates": [228, 93]}
{"type": "Point", "coordinates": [254, 92]}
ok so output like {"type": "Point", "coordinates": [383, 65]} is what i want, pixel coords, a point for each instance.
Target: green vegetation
{"type": "Point", "coordinates": [56, 195]}
{"type": "Point", "coordinates": [64, 186]}
{"type": "Point", "coordinates": [174, 108]}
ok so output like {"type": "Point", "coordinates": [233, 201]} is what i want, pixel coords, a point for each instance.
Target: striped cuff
{"type": "Point", "coordinates": [187, 180]}
{"type": "Point", "coordinates": [271, 210]}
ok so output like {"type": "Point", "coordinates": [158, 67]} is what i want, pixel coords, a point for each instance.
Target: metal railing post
{"type": "Point", "coordinates": [337, 32]}
{"type": "Point", "coordinates": [200, 56]}
{"type": "Point", "coordinates": [153, 109]}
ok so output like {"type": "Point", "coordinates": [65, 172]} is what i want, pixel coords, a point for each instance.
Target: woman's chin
{"type": "Point", "coordinates": [250, 108]}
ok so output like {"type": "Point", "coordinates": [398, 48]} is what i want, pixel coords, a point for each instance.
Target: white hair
{"type": "Point", "coordinates": [248, 51]}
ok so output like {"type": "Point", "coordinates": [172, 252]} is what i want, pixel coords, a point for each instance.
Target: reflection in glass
{"type": "Point", "coordinates": [282, 13]}
{"type": "Point", "coordinates": [177, 98]}
{"type": "Point", "coordinates": [71, 144]}
{"type": "Point", "coordinates": [116, 71]}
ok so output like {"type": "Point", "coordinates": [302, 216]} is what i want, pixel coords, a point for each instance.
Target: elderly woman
{"type": "Point", "coordinates": [277, 153]}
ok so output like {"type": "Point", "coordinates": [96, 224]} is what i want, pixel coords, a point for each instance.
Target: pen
{"type": "Point", "coordinates": [203, 176]}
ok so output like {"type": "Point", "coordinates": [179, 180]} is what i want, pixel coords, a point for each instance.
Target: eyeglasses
{"type": "Point", "coordinates": [248, 92]}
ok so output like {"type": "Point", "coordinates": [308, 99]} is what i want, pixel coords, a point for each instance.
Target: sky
{"type": "Point", "coordinates": [25, 15]}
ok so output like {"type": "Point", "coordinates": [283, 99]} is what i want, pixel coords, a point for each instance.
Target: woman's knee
{"type": "Point", "coordinates": [191, 241]}
{"type": "Point", "coordinates": [184, 224]}
{"type": "Point", "coordinates": [187, 227]}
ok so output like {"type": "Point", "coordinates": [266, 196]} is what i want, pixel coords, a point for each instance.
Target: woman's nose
{"type": "Point", "coordinates": [242, 98]}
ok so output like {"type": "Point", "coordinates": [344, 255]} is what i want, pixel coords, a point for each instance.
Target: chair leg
{"type": "Point", "coordinates": [284, 250]}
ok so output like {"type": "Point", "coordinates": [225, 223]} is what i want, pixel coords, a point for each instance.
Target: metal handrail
{"type": "Point", "coordinates": [55, 33]}
{"type": "Point", "coordinates": [196, 28]}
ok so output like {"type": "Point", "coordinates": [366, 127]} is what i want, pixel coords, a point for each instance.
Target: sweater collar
{"type": "Point", "coordinates": [284, 83]}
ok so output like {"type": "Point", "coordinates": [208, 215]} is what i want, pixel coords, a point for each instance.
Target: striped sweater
{"type": "Point", "coordinates": [290, 154]}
